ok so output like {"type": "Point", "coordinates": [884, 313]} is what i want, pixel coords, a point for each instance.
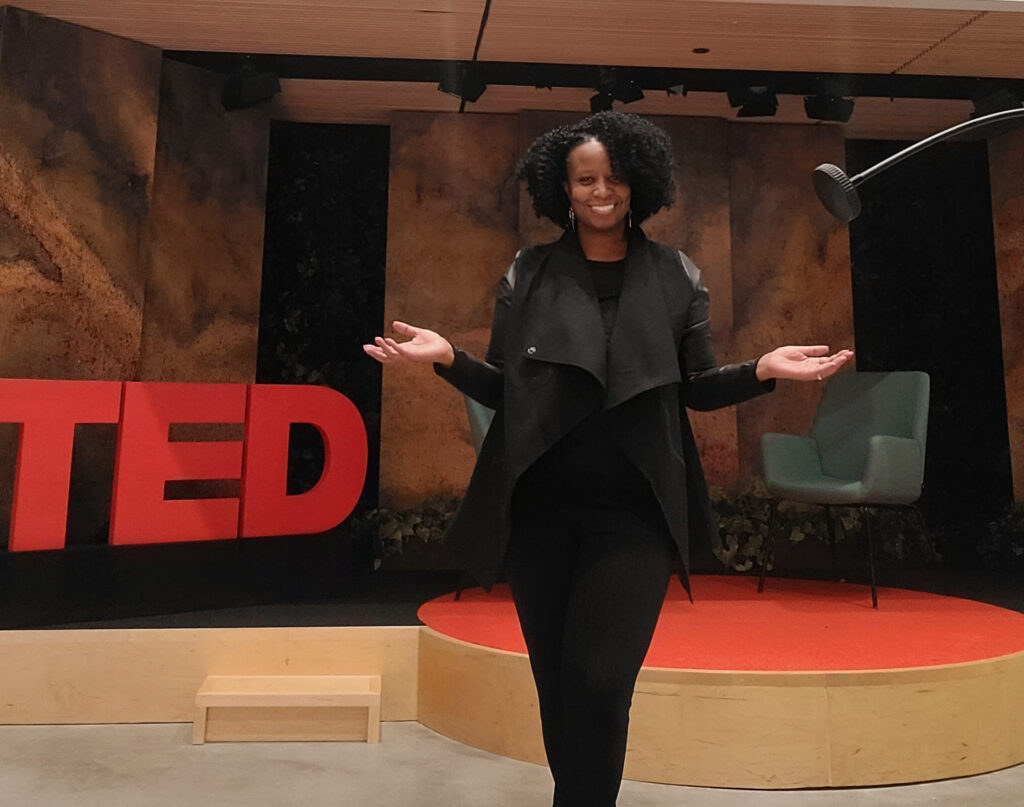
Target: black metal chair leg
{"type": "Point", "coordinates": [926, 534]}
{"type": "Point", "coordinates": [769, 545]}
{"type": "Point", "coordinates": [832, 541]}
{"type": "Point", "coordinates": [463, 581]}
{"type": "Point", "coordinates": [871, 555]}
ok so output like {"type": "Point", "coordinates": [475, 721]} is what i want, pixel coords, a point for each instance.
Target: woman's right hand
{"type": "Point", "coordinates": [423, 345]}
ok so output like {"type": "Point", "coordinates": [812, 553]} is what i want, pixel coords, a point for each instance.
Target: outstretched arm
{"type": "Point", "coordinates": [709, 386]}
{"type": "Point", "coordinates": [482, 381]}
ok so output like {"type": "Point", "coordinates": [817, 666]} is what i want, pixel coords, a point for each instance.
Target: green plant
{"type": "Point", "coordinates": [743, 519]}
{"type": "Point", "coordinates": [1001, 545]}
{"type": "Point", "coordinates": [392, 531]}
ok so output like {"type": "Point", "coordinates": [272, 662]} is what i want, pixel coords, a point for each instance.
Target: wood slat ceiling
{"type": "Point", "coordinates": [939, 37]}
{"type": "Point", "coordinates": [992, 45]}
{"type": "Point", "coordinates": [738, 35]}
{"type": "Point", "coordinates": [413, 29]}
{"type": "Point", "coordinates": [861, 36]}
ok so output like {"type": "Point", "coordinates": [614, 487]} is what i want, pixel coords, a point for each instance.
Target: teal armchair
{"type": "Point", "coordinates": [866, 449]}
{"type": "Point", "coordinates": [480, 418]}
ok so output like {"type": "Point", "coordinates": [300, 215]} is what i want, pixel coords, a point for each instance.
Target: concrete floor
{"type": "Point", "coordinates": [156, 765]}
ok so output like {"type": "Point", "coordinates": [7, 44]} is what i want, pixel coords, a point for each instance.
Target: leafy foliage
{"type": "Point", "coordinates": [742, 518]}
{"type": "Point", "coordinates": [1001, 546]}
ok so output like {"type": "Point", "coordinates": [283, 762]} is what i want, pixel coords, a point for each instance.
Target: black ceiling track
{"type": "Point", "coordinates": [856, 85]}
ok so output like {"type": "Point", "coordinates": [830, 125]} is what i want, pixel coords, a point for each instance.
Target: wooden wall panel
{"type": "Point", "coordinates": [1006, 167]}
{"type": "Point", "coordinates": [452, 217]}
{"type": "Point", "coordinates": [698, 224]}
{"type": "Point", "coordinates": [77, 139]}
{"type": "Point", "coordinates": [791, 268]}
{"type": "Point", "coordinates": [77, 135]}
{"type": "Point", "coordinates": [204, 235]}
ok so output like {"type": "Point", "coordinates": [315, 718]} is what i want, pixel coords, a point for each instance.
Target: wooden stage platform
{"type": "Point", "coordinates": [803, 686]}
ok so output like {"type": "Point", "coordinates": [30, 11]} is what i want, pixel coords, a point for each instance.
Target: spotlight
{"type": "Point", "coordinates": [248, 87]}
{"type": "Point", "coordinates": [617, 87]}
{"type": "Point", "coordinates": [628, 91]}
{"type": "Point", "coordinates": [463, 81]}
{"type": "Point", "coordinates": [676, 89]}
{"type": "Point", "coordinates": [754, 102]}
{"type": "Point", "coordinates": [538, 77]}
{"type": "Point", "coordinates": [994, 99]}
{"type": "Point", "coordinates": [826, 106]}
{"type": "Point", "coordinates": [601, 102]}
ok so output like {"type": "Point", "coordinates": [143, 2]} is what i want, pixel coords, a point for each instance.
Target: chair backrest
{"type": "Point", "coordinates": [480, 418]}
{"type": "Point", "coordinates": [856, 406]}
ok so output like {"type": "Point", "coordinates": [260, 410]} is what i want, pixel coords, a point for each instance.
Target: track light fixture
{"type": "Point", "coordinates": [463, 80]}
{"type": "Point", "coordinates": [613, 86]}
{"type": "Point", "coordinates": [601, 102]}
{"type": "Point", "coordinates": [828, 106]}
{"type": "Point", "coordinates": [753, 102]}
{"type": "Point", "coordinates": [994, 99]}
{"type": "Point", "coordinates": [246, 87]}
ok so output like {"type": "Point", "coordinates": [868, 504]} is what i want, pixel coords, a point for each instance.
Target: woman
{"type": "Point", "coordinates": [588, 486]}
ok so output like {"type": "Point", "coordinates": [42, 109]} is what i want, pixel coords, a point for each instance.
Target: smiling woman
{"type": "Point", "coordinates": [588, 486]}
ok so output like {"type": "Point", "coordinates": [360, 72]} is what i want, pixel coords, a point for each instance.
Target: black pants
{"type": "Point", "coordinates": [588, 580]}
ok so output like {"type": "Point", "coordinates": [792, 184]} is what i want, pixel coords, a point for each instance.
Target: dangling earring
{"type": "Point", "coordinates": [629, 219]}
{"type": "Point", "coordinates": [572, 219]}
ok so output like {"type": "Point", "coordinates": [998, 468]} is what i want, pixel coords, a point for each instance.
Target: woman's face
{"type": "Point", "coordinates": [598, 196]}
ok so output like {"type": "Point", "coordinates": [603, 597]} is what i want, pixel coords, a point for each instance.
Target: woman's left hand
{"type": "Point", "coordinates": [801, 363]}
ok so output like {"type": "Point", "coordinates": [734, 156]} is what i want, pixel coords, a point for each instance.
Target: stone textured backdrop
{"type": "Point", "coordinates": [204, 235]}
{"type": "Point", "coordinates": [1006, 167]}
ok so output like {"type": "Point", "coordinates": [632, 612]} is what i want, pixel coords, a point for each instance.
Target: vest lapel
{"type": "Point", "coordinates": [642, 354]}
{"type": "Point", "coordinates": [561, 317]}
{"type": "Point", "coordinates": [562, 320]}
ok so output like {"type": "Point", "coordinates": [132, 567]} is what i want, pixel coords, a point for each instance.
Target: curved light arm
{"type": "Point", "coordinates": [838, 192]}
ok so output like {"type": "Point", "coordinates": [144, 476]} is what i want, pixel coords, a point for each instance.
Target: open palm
{"type": "Point", "coordinates": [422, 345]}
{"type": "Point", "coordinates": [802, 362]}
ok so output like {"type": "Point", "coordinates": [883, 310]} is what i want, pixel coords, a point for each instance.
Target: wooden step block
{"type": "Point", "coordinates": [287, 707]}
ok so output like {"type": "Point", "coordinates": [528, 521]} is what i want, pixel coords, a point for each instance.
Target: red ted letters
{"type": "Point", "coordinates": [146, 458]}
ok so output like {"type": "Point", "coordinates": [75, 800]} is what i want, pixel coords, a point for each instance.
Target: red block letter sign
{"type": "Point", "coordinates": [48, 412]}
{"type": "Point", "coordinates": [266, 507]}
{"type": "Point", "coordinates": [146, 460]}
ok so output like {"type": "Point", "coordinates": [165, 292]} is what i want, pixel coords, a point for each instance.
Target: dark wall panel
{"type": "Point", "coordinates": [925, 298]}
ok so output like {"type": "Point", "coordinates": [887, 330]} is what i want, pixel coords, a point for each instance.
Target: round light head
{"type": "Point", "coordinates": [836, 192]}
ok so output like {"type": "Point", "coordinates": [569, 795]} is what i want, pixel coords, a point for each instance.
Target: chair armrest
{"type": "Point", "coordinates": [789, 458]}
{"type": "Point", "coordinates": [894, 470]}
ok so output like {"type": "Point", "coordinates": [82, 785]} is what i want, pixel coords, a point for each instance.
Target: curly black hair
{"type": "Point", "coordinates": [639, 151]}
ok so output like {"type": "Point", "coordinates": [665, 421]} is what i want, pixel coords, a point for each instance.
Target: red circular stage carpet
{"type": "Point", "coordinates": [796, 625]}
